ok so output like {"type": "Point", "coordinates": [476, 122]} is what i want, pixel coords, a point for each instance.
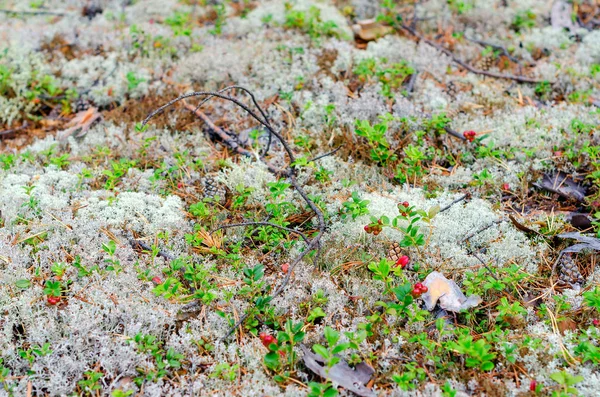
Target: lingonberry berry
{"type": "Point", "coordinates": [156, 280]}
{"type": "Point", "coordinates": [418, 290]}
{"type": "Point", "coordinates": [267, 339]}
{"type": "Point", "coordinates": [469, 135]}
{"type": "Point", "coordinates": [402, 261]}
{"type": "Point", "coordinates": [532, 385]}
{"type": "Point", "coordinates": [53, 300]}
{"type": "Point", "coordinates": [285, 267]}
{"type": "Point", "coordinates": [596, 322]}
{"type": "Point", "coordinates": [505, 186]}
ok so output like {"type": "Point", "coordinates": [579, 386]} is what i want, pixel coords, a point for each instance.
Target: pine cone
{"type": "Point", "coordinates": [452, 89]}
{"type": "Point", "coordinates": [568, 271]}
{"type": "Point", "coordinates": [213, 189]}
{"type": "Point", "coordinates": [485, 63]}
{"type": "Point", "coordinates": [395, 252]}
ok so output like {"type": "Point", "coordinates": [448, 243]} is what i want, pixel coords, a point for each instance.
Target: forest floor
{"type": "Point", "coordinates": [354, 198]}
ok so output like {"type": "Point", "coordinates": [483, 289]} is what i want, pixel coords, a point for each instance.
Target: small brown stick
{"type": "Point", "coordinates": [458, 200]}
{"type": "Point", "coordinates": [520, 79]}
{"type": "Point", "coordinates": [9, 133]}
{"type": "Point", "coordinates": [289, 172]}
{"type": "Point", "coordinates": [454, 133]}
{"type": "Point", "coordinates": [483, 229]}
{"type": "Point", "coordinates": [485, 265]}
{"type": "Point", "coordinates": [494, 46]}
{"type": "Point", "coordinates": [140, 244]}
{"type": "Point", "coordinates": [411, 83]}
{"type": "Point", "coordinates": [224, 136]}
{"type": "Point", "coordinates": [231, 225]}
{"type": "Point", "coordinates": [325, 154]}
{"type": "Point", "coordinates": [33, 12]}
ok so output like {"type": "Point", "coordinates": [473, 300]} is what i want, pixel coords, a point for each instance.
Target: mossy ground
{"type": "Point", "coordinates": [112, 284]}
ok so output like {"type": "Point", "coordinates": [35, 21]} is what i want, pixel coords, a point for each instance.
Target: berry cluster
{"type": "Point", "coordinates": [470, 135]}
{"type": "Point", "coordinates": [403, 261]}
{"type": "Point", "coordinates": [374, 228]}
{"type": "Point", "coordinates": [418, 290]}
{"type": "Point", "coordinates": [53, 300]}
{"type": "Point", "coordinates": [403, 208]}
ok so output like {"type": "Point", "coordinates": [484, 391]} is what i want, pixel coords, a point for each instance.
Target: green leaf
{"type": "Point", "coordinates": [321, 351]}
{"type": "Point", "coordinates": [487, 366]}
{"type": "Point", "coordinates": [340, 348]}
{"type": "Point", "coordinates": [23, 284]}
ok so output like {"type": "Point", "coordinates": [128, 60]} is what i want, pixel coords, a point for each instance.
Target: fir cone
{"type": "Point", "coordinates": [568, 271]}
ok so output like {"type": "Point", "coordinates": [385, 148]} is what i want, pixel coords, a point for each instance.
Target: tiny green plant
{"type": "Point", "coordinates": [566, 381]}
{"type": "Point", "coordinates": [355, 207]}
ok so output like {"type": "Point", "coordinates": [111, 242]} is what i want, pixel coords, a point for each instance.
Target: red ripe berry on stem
{"type": "Point", "coordinates": [405, 204]}
{"type": "Point", "coordinates": [267, 339]}
{"type": "Point", "coordinates": [53, 300]}
{"type": "Point", "coordinates": [469, 135]}
{"type": "Point", "coordinates": [596, 322]}
{"type": "Point", "coordinates": [156, 280]}
{"type": "Point", "coordinates": [505, 186]}
{"type": "Point", "coordinates": [418, 290]}
{"type": "Point", "coordinates": [402, 261]}
{"type": "Point", "coordinates": [285, 267]}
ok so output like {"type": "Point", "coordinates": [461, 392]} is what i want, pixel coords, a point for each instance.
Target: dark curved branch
{"type": "Point", "coordinates": [520, 79]}
{"type": "Point", "coordinates": [286, 146]}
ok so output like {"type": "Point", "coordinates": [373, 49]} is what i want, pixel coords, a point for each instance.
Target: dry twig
{"type": "Point", "coordinates": [289, 171]}
{"type": "Point", "coordinates": [520, 79]}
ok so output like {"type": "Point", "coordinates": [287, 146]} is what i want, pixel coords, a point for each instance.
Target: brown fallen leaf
{"type": "Point", "coordinates": [563, 185]}
{"type": "Point", "coordinates": [450, 297]}
{"type": "Point", "coordinates": [80, 124]}
{"type": "Point", "coordinates": [370, 29]}
{"type": "Point", "coordinates": [354, 380]}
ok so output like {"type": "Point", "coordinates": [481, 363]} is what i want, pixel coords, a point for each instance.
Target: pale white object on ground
{"type": "Point", "coordinates": [451, 298]}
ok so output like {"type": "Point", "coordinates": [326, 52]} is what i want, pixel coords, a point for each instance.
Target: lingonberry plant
{"type": "Point", "coordinates": [406, 223]}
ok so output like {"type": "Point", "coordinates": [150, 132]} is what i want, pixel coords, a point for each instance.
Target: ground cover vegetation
{"type": "Point", "coordinates": [299, 197]}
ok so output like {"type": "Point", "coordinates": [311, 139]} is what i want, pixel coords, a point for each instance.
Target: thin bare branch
{"type": "Point", "coordinates": [520, 79]}
{"type": "Point", "coordinates": [243, 224]}
{"type": "Point", "coordinates": [326, 154]}
{"type": "Point", "coordinates": [458, 200]}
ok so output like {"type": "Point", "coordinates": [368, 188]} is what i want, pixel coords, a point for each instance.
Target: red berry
{"type": "Point", "coordinates": [418, 290]}
{"type": "Point", "coordinates": [532, 385]}
{"type": "Point", "coordinates": [558, 153]}
{"type": "Point", "coordinates": [376, 232]}
{"type": "Point", "coordinates": [156, 280]}
{"type": "Point", "coordinates": [379, 222]}
{"type": "Point", "coordinates": [267, 339]}
{"type": "Point", "coordinates": [53, 300]}
{"type": "Point", "coordinates": [179, 185]}
{"type": "Point", "coordinates": [470, 135]}
{"type": "Point", "coordinates": [285, 267]}
{"type": "Point", "coordinates": [405, 204]}
{"type": "Point", "coordinates": [596, 322]}
{"type": "Point", "coordinates": [402, 261]}
{"type": "Point", "coordinates": [505, 186]}
{"type": "Point", "coordinates": [368, 229]}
